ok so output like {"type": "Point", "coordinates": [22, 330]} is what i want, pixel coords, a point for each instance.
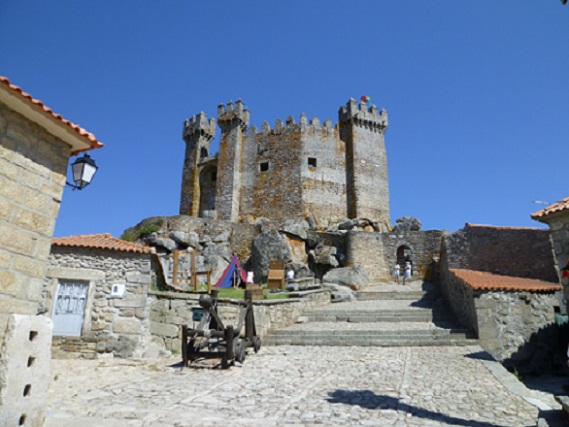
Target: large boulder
{"type": "Point", "coordinates": [340, 293]}
{"type": "Point", "coordinates": [185, 239]}
{"type": "Point", "coordinates": [267, 246]}
{"type": "Point", "coordinates": [164, 243]}
{"type": "Point", "coordinates": [324, 254]}
{"type": "Point", "coordinates": [296, 229]}
{"type": "Point", "coordinates": [297, 249]}
{"type": "Point", "coordinates": [407, 223]}
{"type": "Point", "coordinates": [355, 277]}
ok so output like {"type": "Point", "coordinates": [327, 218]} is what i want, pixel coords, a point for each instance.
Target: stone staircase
{"type": "Point", "coordinates": [383, 315]}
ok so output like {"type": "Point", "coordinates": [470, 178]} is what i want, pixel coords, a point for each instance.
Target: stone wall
{"type": "Point", "coordinates": [324, 178]}
{"type": "Point", "coordinates": [169, 310]}
{"type": "Point", "coordinates": [519, 252]}
{"type": "Point", "coordinates": [377, 252]}
{"type": "Point", "coordinates": [559, 229]}
{"type": "Point", "coordinates": [517, 328]}
{"type": "Point", "coordinates": [271, 185]}
{"type": "Point", "coordinates": [111, 325]}
{"type": "Point", "coordinates": [33, 166]}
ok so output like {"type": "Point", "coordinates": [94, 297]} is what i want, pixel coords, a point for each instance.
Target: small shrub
{"type": "Point", "coordinates": [144, 230]}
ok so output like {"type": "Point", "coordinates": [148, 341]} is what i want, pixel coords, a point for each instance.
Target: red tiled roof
{"type": "Point", "coordinates": [101, 241]}
{"type": "Point", "coordinates": [562, 205]}
{"type": "Point", "coordinates": [89, 138]}
{"type": "Point", "coordinates": [483, 281]}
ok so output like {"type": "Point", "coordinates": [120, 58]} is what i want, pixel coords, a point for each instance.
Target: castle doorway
{"type": "Point", "coordinates": [208, 187]}
{"type": "Point", "coordinates": [403, 255]}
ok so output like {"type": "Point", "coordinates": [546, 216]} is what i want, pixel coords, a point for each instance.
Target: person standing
{"type": "Point", "coordinates": [397, 270]}
{"type": "Point", "coordinates": [407, 275]}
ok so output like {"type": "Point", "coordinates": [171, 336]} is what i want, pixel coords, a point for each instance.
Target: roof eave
{"type": "Point", "coordinates": [35, 113]}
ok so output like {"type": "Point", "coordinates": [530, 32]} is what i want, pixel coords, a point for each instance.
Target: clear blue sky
{"type": "Point", "coordinates": [477, 93]}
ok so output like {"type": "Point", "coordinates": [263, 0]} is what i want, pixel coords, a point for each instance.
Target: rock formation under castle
{"type": "Point", "coordinates": [324, 173]}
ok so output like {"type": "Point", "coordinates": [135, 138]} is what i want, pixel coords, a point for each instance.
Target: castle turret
{"type": "Point", "coordinates": [362, 130]}
{"type": "Point", "coordinates": [233, 120]}
{"type": "Point", "coordinates": [198, 133]}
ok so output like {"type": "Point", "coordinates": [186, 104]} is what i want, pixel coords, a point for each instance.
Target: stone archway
{"type": "Point", "coordinates": [404, 254]}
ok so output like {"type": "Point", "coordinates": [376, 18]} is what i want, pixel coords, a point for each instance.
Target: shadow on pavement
{"type": "Point", "coordinates": [369, 400]}
{"type": "Point", "coordinates": [480, 355]}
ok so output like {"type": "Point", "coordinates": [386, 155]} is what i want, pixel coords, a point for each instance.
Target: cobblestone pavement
{"type": "Point", "coordinates": [296, 386]}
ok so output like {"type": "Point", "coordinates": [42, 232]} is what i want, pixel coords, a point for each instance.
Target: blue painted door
{"type": "Point", "coordinates": [69, 309]}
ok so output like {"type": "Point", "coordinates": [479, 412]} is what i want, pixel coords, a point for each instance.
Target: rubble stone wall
{"type": "Point", "coordinates": [559, 229]}
{"type": "Point", "coordinates": [271, 175]}
{"type": "Point", "coordinates": [111, 325]}
{"type": "Point", "coordinates": [168, 311]}
{"type": "Point", "coordinates": [509, 251]}
{"type": "Point", "coordinates": [323, 174]}
{"type": "Point", "coordinates": [514, 326]}
{"type": "Point", "coordinates": [377, 252]}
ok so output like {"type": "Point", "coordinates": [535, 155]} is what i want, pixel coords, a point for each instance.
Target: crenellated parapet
{"type": "Point", "coordinates": [362, 116]}
{"type": "Point", "coordinates": [231, 115]}
{"type": "Point", "coordinates": [290, 125]}
{"type": "Point", "coordinates": [199, 126]}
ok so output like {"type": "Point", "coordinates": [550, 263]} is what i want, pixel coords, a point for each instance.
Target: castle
{"type": "Point", "coordinates": [304, 170]}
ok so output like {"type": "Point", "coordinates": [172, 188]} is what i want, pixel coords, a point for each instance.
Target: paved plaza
{"type": "Point", "coordinates": [299, 386]}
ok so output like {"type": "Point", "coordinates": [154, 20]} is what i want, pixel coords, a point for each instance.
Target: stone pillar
{"type": "Point", "coordinates": [25, 362]}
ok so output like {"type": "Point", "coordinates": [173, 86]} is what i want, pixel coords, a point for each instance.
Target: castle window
{"type": "Point", "coordinates": [203, 153]}
{"type": "Point", "coordinates": [214, 176]}
{"type": "Point", "coordinates": [312, 162]}
{"type": "Point", "coordinates": [264, 166]}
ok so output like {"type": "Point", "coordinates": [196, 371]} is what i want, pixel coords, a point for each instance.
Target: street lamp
{"type": "Point", "coordinates": [84, 169]}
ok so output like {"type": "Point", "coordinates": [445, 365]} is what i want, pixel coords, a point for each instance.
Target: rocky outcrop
{"type": "Point", "coordinates": [407, 223]}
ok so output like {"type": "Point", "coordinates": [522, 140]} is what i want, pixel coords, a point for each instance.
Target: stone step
{"type": "Point", "coordinates": [350, 340]}
{"type": "Point", "coordinates": [373, 333]}
{"type": "Point", "coordinates": [380, 334]}
{"type": "Point", "coordinates": [391, 295]}
{"type": "Point", "coordinates": [355, 317]}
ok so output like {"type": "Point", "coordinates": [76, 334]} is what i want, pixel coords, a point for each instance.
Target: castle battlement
{"type": "Point", "coordinates": [290, 125]}
{"type": "Point", "coordinates": [233, 113]}
{"type": "Point", "coordinates": [361, 115]}
{"type": "Point", "coordinates": [289, 169]}
{"type": "Point", "coordinates": [199, 125]}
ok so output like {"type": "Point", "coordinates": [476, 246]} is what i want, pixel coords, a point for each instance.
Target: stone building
{"type": "Point", "coordinates": [557, 217]}
{"type": "Point", "coordinates": [96, 293]}
{"type": "Point", "coordinates": [501, 283]}
{"type": "Point", "coordinates": [301, 170]}
{"type": "Point", "coordinates": [35, 147]}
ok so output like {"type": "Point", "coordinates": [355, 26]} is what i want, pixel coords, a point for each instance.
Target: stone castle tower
{"type": "Point", "coordinates": [294, 171]}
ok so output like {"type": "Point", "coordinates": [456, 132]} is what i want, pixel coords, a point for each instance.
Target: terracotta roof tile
{"type": "Point", "coordinates": [483, 281]}
{"type": "Point", "coordinates": [562, 205]}
{"type": "Point", "coordinates": [101, 241]}
{"type": "Point", "coordinates": [92, 140]}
